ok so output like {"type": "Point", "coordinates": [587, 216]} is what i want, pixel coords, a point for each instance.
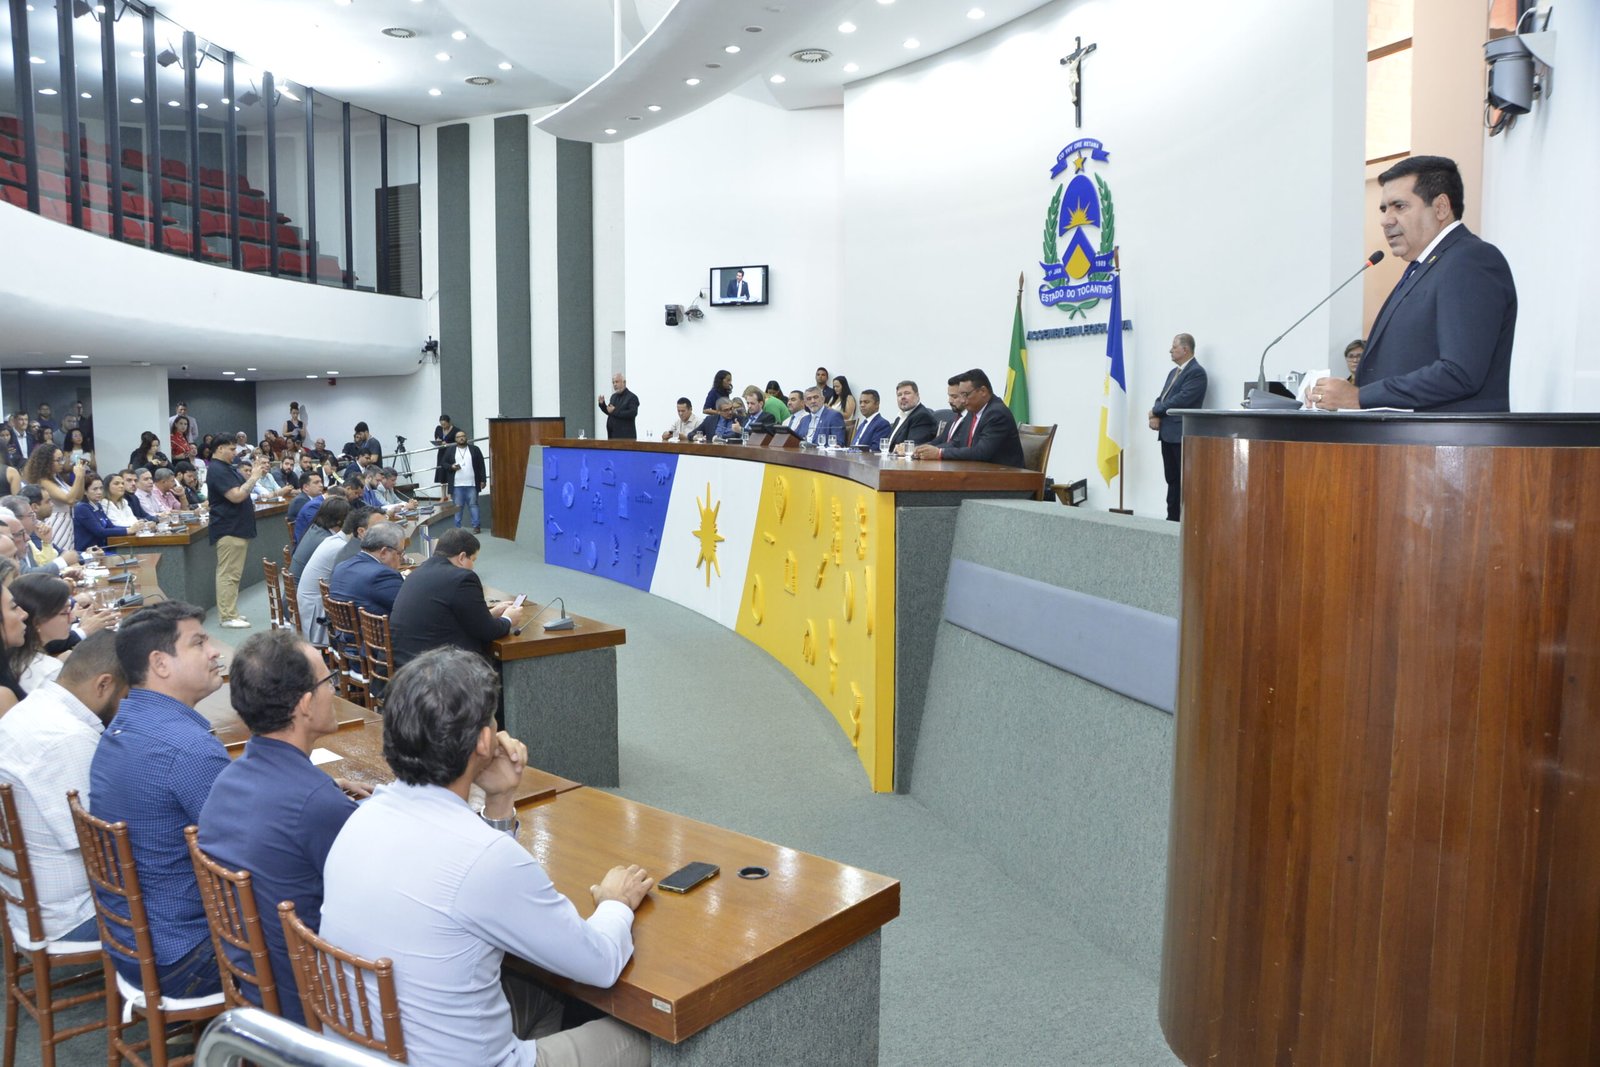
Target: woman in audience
{"type": "Point", "coordinates": [121, 506]}
{"type": "Point", "coordinates": [47, 600]}
{"type": "Point", "coordinates": [77, 448]}
{"type": "Point", "coordinates": [294, 427]}
{"type": "Point", "coordinates": [38, 435]}
{"type": "Point", "coordinates": [328, 520]}
{"type": "Point", "coordinates": [182, 448]}
{"type": "Point", "coordinates": [149, 453]}
{"type": "Point", "coordinates": [844, 402]}
{"type": "Point", "coordinates": [9, 447]}
{"type": "Point", "coordinates": [90, 523]}
{"type": "Point", "coordinates": [721, 388]}
{"type": "Point", "coordinates": [47, 468]}
{"type": "Point", "coordinates": [13, 621]}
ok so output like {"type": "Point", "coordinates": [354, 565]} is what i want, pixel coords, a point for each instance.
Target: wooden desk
{"type": "Point", "coordinates": [186, 560]}
{"type": "Point", "coordinates": [782, 969]}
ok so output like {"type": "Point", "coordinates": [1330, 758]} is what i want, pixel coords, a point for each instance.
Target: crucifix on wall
{"type": "Point", "coordinates": [1075, 61]}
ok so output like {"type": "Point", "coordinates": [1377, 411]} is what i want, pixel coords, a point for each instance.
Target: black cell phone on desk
{"type": "Point", "coordinates": [686, 878]}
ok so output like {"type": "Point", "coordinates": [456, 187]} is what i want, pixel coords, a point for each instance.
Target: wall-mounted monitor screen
{"type": "Point", "coordinates": [735, 286]}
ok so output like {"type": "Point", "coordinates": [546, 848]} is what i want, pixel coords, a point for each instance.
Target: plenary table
{"type": "Point", "coordinates": [186, 560]}
{"type": "Point", "coordinates": [782, 969]}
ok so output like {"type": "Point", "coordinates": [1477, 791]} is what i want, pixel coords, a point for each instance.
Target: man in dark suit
{"type": "Point", "coordinates": [442, 604]}
{"type": "Point", "coordinates": [871, 427]}
{"type": "Point", "coordinates": [622, 411]}
{"type": "Point", "coordinates": [738, 288]}
{"type": "Point", "coordinates": [988, 433]}
{"type": "Point", "coordinates": [916, 425]}
{"type": "Point", "coordinates": [948, 422]}
{"type": "Point", "coordinates": [1442, 341]}
{"type": "Point", "coordinates": [1185, 388]}
{"type": "Point", "coordinates": [752, 414]}
{"type": "Point", "coordinates": [370, 579]}
{"type": "Point", "coordinates": [820, 421]}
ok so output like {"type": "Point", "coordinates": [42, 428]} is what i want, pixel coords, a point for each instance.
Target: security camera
{"type": "Point", "coordinates": [1519, 70]}
{"type": "Point", "coordinates": [674, 314]}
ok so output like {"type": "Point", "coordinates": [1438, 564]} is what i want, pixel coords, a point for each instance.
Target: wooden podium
{"type": "Point", "coordinates": [1385, 840]}
{"type": "Point", "coordinates": [509, 439]}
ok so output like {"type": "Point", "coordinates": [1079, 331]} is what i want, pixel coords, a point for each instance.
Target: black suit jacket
{"type": "Point", "coordinates": [1188, 391]}
{"type": "Point", "coordinates": [622, 423]}
{"type": "Point", "coordinates": [442, 605]}
{"type": "Point", "coordinates": [1442, 341]}
{"type": "Point", "coordinates": [915, 426]}
{"type": "Point", "coordinates": [736, 288]}
{"type": "Point", "coordinates": [447, 460]}
{"type": "Point", "coordinates": [997, 439]}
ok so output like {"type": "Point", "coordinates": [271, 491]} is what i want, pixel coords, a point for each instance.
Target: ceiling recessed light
{"type": "Point", "coordinates": [202, 105]}
{"type": "Point", "coordinates": [655, 107]}
{"type": "Point", "coordinates": [610, 131]}
{"type": "Point", "coordinates": [311, 376]}
{"type": "Point", "coordinates": [851, 68]}
{"type": "Point", "coordinates": [399, 33]}
{"type": "Point", "coordinates": [504, 65]}
{"type": "Point", "coordinates": [173, 103]}
{"type": "Point", "coordinates": [136, 54]}
{"type": "Point", "coordinates": [90, 96]}
{"type": "Point", "coordinates": [228, 372]}
{"type": "Point", "coordinates": [135, 100]}
{"type": "Point", "coordinates": [333, 372]}
{"type": "Point", "coordinates": [52, 372]}
{"type": "Point", "coordinates": [459, 35]}
{"type": "Point", "coordinates": [47, 92]}
{"type": "Point", "coordinates": [975, 14]}
{"type": "Point", "coordinates": [251, 369]}
{"type": "Point", "coordinates": [435, 92]}
{"type": "Point", "coordinates": [732, 49]}
{"type": "Point", "coordinates": [443, 57]}
{"type": "Point", "coordinates": [777, 79]}
{"type": "Point", "coordinates": [912, 42]}
{"type": "Point", "coordinates": [691, 81]}
{"type": "Point", "coordinates": [847, 27]}
{"type": "Point", "coordinates": [35, 60]}
{"type": "Point", "coordinates": [479, 79]}
{"type": "Point", "coordinates": [36, 372]}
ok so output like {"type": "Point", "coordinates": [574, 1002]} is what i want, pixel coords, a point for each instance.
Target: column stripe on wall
{"type": "Point", "coordinates": [455, 274]}
{"type": "Point", "coordinates": [575, 281]}
{"type": "Point", "coordinates": [514, 301]}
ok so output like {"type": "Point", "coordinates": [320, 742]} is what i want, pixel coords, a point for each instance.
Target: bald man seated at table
{"type": "Point", "coordinates": [371, 578]}
{"type": "Point", "coordinates": [442, 603]}
{"type": "Point", "coordinates": [420, 878]}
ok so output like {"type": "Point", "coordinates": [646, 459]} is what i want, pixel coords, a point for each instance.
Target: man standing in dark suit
{"type": "Point", "coordinates": [988, 433]}
{"type": "Point", "coordinates": [1442, 341]}
{"type": "Point", "coordinates": [442, 604]}
{"type": "Point", "coordinates": [738, 289]}
{"type": "Point", "coordinates": [622, 411]}
{"type": "Point", "coordinates": [1185, 388]}
{"type": "Point", "coordinates": [915, 426]}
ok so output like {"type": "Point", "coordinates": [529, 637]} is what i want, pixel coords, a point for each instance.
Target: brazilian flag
{"type": "Point", "coordinates": [1017, 369]}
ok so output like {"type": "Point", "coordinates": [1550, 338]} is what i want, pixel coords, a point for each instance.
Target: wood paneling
{"type": "Point", "coordinates": [1385, 837]}
{"type": "Point", "coordinates": [509, 440]}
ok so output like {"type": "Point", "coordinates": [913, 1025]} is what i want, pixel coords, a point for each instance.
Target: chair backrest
{"type": "Point", "coordinates": [377, 645]}
{"type": "Point", "coordinates": [337, 987]}
{"type": "Point", "coordinates": [291, 599]}
{"type": "Point", "coordinates": [108, 861]}
{"type": "Point", "coordinates": [1036, 443]}
{"type": "Point", "coordinates": [344, 645]}
{"type": "Point", "coordinates": [269, 571]}
{"type": "Point", "coordinates": [20, 870]}
{"type": "Point", "coordinates": [232, 915]}
{"type": "Point", "coordinates": [288, 550]}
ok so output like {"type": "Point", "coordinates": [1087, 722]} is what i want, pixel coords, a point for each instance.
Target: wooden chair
{"type": "Point", "coordinates": [377, 644]}
{"type": "Point", "coordinates": [234, 920]}
{"type": "Point", "coordinates": [288, 550]}
{"type": "Point", "coordinates": [269, 571]}
{"type": "Point", "coordinates": [291, 600]}
{"type": "Point", "coordinates": [336, 990]}
{"type": "Point", "coordinates": [344, 648]}
{"type": "Point", "coordinates": [108, 860]}
{"type": "Point", "coordinates": [29, 954]}
{"type": "Point", "coordinates": [1036, 443]}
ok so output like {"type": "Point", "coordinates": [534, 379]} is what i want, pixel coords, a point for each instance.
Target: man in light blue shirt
{"type": "Point", "coordinates": [416, 875]}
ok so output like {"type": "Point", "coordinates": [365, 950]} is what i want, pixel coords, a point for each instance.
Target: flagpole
{"type": "Point", "coordinates": [1122, 453]}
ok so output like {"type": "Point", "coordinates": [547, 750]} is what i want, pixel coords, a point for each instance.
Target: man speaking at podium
{"type": "Point", "coordinates": [1442, 341]}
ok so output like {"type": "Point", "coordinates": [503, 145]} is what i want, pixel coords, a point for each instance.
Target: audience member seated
{"type": "Point", "coordinates": [916, 425]}
{"type": "Point", "coordinates": [755, 414]}
{"type": "Point", "coordinates": [189, 485]}
{"type": "Point", "coordinates": [272, 812]}
{"type": "Point", "coordinates": [364, 443]}
{"type": "Point", "coordinates": [158, 503]}
{"type": "Point", "coordinates": [315, 498]}
{"type": "Point", "coordinates": [328, 519]}
{"type": "Point", "coordinates": [13, 621]}
{"type": "Point", "coordinates": [371, 578]}
{"type": "Point", "coordinates": [90, 523]}
{"type": "Point", "coordinates": [48, 603]}
{"type": "Point", "coordinates": [122, 502]}
{"type": "Point", "coordinates": [684, 427]}
{"type": "Point", "coordinates": [989, 433]}
{"type": "Point", "coordinates": [871, 427]}
{"type": "Point", "coordinates": [948, 422]}
{"type": "Point", "coordinates": [420, 878]}
{"type": "Point", "coordinates": [148, 454]}
{"type": "Point", "coordinates": [39, 553]}
{"type": "Point", "coordinates": [441, 604]}
{"type": "Point", "coordinates": [320, 564]}
{"type": "Point", "coordinates": [310, 490]}
{"type": "Point", "coordinates": [288, 474]}
{"type": "Point", "coordinates": [772, 403]}
{"type": "Point", "coordinates": [46, 744]}
{"type": "Point", "coordinates": [387, 493]}
{"type": "Point", "coordinates": [822, 422]}
{"type": "Point", "coordinates": [153, 770]}
{"type": "Point", "coordinates": [710, 425]}
{"type": "Point", "coordinates": [797, 409]}
{"type": "Point", "coordinates": [354, 486]}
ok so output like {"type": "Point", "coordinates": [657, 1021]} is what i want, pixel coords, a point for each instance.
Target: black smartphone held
{"type": "Point", "coordinates": [686, 878]}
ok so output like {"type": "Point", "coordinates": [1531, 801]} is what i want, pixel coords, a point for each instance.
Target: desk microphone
{"type": "Point", "coordinates": [566, 622]}
{"type": "Point", "coordinates": [1261, 376]}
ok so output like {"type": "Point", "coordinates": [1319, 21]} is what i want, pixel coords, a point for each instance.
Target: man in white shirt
{"type": "Point", "coordinates": [416, 875]}
{"type": "Point", "coordinates": [46, 744]}
{"type": "Point", "coordinates": [686, 424]}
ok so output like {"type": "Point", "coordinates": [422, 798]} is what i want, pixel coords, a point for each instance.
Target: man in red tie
{"type": "Point", "coordinates": [988, 434]}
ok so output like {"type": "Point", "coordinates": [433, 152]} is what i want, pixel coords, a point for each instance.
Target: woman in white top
{"type": "Point", "coordinates": [48, 602]}
{"type": "Point", "coordinates": [47, 468]}
{"type": "Point", "coordinates": [117, 508]}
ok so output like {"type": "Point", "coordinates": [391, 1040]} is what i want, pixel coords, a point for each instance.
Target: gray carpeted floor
{"type": "Point", "coordinates": [975, 970]}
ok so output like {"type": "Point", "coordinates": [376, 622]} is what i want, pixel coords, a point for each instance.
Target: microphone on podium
{"type": "Point", "coordinates": [1266, 398]}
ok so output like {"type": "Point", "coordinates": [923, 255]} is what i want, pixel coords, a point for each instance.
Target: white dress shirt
{"type": "Point", "coordinates": [119, 512]}
{"type": "Point", "coordinates": [465, 474]}
{"type": "Point", "coordinates": [46, 744]}
{"type": "Point", "coordinates": [417, 876]}
{"type": "Point", "coordinates": [40, 669]}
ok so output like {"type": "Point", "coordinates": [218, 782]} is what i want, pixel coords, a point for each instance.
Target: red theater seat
{"type": "Point", "coordinates": [133, 158]}
{"type": "Point", "coordinates": [214, 224]}
{"type": "Point", "coordinates": [10, 194]}
{"type": "Point", "coordinates": [15, 173]}
{"type": "Point", "coordinates": [254, 206]}
{"type": "Point", "coordinates": [176, 239]}
{"type": "Point", "coordinates": [10, 125]}
{"type": "Point", "coordinates": [10, 147]}
{"type": "Point", "coordinates": [59, 210]}
{"type": "Point", "coordinates": [55, 185]}
{"type": "Point", "coordinates": [174, 192]}
{"type": "Point", "coordinates": [289, 236]}
{"type": "Point", "coordinates": [174, 168]}
{"type": "Point", "coordinates": [255, 257]}
{"type": "Point", "coordinates": [52, 159]}
{"type": "Point", "coordinates": [215, 199]}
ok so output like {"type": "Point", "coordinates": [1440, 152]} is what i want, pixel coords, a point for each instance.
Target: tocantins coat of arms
{"type": "Point", "coordinates": [1077, 276]}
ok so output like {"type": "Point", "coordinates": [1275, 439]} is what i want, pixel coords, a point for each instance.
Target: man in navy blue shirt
{"type": "Point", "coordinates": [273, 813]}
{"type": "Point", "coordinates": [153, 770]}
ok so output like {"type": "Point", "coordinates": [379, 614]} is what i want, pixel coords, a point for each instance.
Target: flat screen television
{"type": "Point", "coordinates": [739, 286]}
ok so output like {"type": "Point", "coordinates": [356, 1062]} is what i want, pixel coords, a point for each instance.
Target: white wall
{"type": "Point", "coordinates": [1236, 171]}
{"type": "Point", "coordinates": [736, 182]}
{"type": "Point", "coordinates": [405, 404]}
{"type": "Point", "coordinates": [127, 402]}
{"type": "Point", "coordinates": [1539, 180]}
